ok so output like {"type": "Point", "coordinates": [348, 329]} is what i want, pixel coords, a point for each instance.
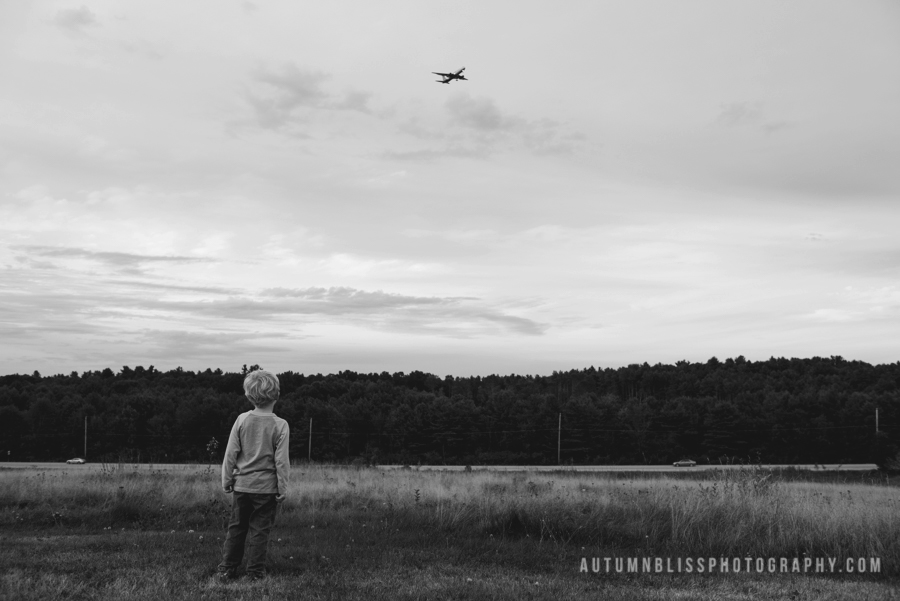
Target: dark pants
{"type": "Point", "coordinates": [252, 517]}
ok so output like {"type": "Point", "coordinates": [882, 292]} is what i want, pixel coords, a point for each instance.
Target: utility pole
{"type": "Point", "coordinates": [85, 438]}
{"type": "Point", "coordinates": [558, 439]}
{"type": "Point", "coordinates": [309, 454]}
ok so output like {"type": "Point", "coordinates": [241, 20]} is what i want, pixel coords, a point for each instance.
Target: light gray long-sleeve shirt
{"type": "Point", "coordinates": [256, 458]}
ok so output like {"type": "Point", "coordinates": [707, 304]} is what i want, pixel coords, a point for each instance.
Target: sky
{"type": "Point", "coordinates": [217, 183]}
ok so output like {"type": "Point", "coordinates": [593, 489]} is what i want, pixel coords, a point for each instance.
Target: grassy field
{"type": "Point", "coordinates": [129, 532]}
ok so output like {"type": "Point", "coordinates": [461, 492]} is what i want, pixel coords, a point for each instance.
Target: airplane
{"type": "Point", "coordinates": [448, 77]}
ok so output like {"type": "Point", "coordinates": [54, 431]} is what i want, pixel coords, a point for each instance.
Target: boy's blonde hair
{"type": "Point", "coordinates": [261, 387]}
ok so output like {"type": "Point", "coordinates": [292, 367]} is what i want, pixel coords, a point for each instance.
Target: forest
{"type": "Point", "coordinates": [815, 410]}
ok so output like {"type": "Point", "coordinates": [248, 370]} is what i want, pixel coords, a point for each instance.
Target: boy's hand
{"type": "Point", "coordinates": [229, 489]}
{"type": "Point", "coordinates": [279, 498]}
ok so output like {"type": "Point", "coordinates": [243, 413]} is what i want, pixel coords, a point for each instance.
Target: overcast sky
{"type": "Point", "coordinates": [208, 184]}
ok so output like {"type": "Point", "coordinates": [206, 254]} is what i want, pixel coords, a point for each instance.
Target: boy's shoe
{"type": "Point", "coordinates": [225, 576]}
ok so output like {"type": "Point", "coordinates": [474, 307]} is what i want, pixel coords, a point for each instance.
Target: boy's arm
{"type": "Point", "coordinates": [230, 459]}
{"type": "Point", "coordinates": [282, 463]}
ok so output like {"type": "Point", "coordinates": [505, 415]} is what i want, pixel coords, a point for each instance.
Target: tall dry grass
{"type": "Point", "coordinates": [736, 513]}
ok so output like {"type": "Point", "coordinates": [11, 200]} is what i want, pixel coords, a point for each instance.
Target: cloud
{"type": "Point", "coordinates": [292, 88]}
{"type": "Point", "coordinates": [478, 128]}
{"type": "Point", "coordinates": [748, 114]}
{"type": "Point", "coordinates": [180, 343]}
{"type": "Point", "coordinates": [348, 299]}
{"type": "Point", "coordinates": [75, 20]}
{"type": "Point", "coordinates": [59, 301]}
{"type": "Point", "coordinates": [143, 48]}
{"type": "Point", "coordinates": [836, 257]}
{"type": "Point", "coordinates": [774, 126]}
{"type": "Point", "coordinates": [545, 138]}
{"type": "Point", "coordinates": [27, 328]}
{"type": "Point", "coordinates": [740, 113]}
{"type": "Point", "coordinates": [114, 259]}
{"type": "Point", "coordinates": [517, 324]}
{"type": "Point", "coordinates": [430, 154]}
{"type": "Point", "coordinates": [296, 87]}
{"type": "Point", "coordinates": [480, 114]}
{"type": "Point", "coordinates": [174, 287]}
{"type": "Point", "coordinates": [387, 179]}
{"type": "Point", "coordinates": [34, 263]}
{"type": "Point", "coordinates": [461, 236]}
{"type": "Point", "coordinates": [455, 316]}
{"type": "Point", "coordinates": [354, 101]}
{"type": "Point", "coordinates": [833, 315]}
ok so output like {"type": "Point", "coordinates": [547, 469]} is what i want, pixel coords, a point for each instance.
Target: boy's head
{"type": "Point", "coordinates": [261, 387]}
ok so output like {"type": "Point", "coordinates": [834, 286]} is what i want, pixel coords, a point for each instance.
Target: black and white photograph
{"type": "Point", "coordinates": [402, 300]}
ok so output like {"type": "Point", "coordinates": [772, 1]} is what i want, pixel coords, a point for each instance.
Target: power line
{"type": "Point", "coordinates": [323, 430]}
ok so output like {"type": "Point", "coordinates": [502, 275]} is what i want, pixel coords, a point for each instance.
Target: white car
{"type": "Point", "coordinates": [685, 463]}
{"type": "Point", "coordinates": [77, 460]}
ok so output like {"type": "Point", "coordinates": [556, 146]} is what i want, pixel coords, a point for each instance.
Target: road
{"type": "Point", "coordinates": [458, 468]}
{"type": "Point", "coordinates": [631, 468]}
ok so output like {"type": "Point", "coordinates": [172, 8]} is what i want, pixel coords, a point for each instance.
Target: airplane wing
{"type": "Point", "coordinates": [443, 74]}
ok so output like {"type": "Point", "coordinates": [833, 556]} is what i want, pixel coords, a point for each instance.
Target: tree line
{"type": "Point", "coordinates": [818, 410]}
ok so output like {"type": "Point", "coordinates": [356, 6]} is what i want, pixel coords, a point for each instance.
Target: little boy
{"type": "Point", "coordinates": [255, 469]}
